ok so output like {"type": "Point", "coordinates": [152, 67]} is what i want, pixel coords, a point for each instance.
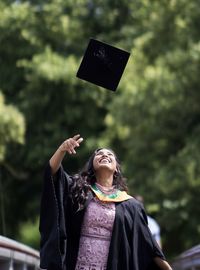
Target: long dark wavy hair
{"type": "Point", "coordinates": [86, 177]}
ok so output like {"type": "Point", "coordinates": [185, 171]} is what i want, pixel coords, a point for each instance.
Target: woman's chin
{"type": "Point", "coordinates": [105, 166]}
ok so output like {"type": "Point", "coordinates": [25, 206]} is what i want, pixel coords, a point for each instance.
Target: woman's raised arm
{"type": "Point", "coordinates": [68, 146]}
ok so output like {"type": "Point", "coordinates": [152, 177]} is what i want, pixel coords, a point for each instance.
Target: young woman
{"type": "Point", "coordinates": [89, 222]}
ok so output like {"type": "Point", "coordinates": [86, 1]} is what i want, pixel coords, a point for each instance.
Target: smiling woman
{"type": "Point", "coordinates": [93, 223]}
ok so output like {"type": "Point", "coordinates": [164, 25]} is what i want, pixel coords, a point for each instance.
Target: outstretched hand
{"type": "Point", "coordinates": [70, 144]}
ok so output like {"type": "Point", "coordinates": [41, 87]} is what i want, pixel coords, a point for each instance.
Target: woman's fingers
{"type": "Point", "coordinates": [79, 141]}
{"type": "Point", "coordinates": [70, 144]}
{"type": "Point", "coordinates": [76, 137]}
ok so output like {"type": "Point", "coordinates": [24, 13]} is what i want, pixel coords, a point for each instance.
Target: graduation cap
{"type": "Point", "coordinates": [103, 64]}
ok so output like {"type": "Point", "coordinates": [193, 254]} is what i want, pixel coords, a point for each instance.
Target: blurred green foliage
{"type": "Point", "coordinates": [152, 121]}
{"type": "Point", "coordinates": [29, 233]}
{"type": "Point", "coordinates": [12, 126]}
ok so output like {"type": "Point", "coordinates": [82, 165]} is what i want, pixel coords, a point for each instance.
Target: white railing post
{"type": "Point", "coordinates": [24, 266]}
{"type": "Point", "coordinates": [17, 256]}
{"type": "Point", "coordinates": [11, 264]}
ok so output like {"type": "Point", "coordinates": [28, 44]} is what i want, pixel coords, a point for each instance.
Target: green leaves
{"type": "Point", "coordinates": [12, 126]}
{"type": "Point", "coordinates": [152, 120]}
{"type": "Point", "coordinates": [50, 66]}
{"type": "Point", "coordinates": [155, 118]}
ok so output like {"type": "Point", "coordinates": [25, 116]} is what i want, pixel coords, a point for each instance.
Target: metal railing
{"type": "Point", "coordinates": [188, 260]}
{"type": "Point", "coordinates": [17, 256]}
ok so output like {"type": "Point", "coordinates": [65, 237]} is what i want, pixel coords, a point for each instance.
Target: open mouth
{"type": "Point", "coordinates": [104, 160]}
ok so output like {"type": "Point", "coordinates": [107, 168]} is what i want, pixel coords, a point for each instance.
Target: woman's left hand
{"type": "Point", "coordinates": [162, 264]}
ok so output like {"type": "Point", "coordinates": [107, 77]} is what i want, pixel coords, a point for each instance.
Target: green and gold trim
{"type": "Point", "coordinates": [117, 196]}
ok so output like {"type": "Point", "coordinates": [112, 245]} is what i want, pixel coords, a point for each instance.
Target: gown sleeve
{"type": "Point", "coordinates": [52, 227]}
{"type": "Point", "coordinates": [149, 248]}
{"type": "Point", "coordinates": [132, 245]}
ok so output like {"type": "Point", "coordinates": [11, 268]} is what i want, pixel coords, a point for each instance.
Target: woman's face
{"type": "Point", "coordinates": [105, 158]}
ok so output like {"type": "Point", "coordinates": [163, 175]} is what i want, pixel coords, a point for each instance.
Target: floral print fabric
{"type": "Point", "coordinates": [95, 236]}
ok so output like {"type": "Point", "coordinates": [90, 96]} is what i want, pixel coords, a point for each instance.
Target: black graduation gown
{"type": "Point", "coordinates": [132, 245]}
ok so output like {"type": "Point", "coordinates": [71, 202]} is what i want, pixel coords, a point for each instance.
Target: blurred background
{"type": "Point", "coordinates": [152, 121]}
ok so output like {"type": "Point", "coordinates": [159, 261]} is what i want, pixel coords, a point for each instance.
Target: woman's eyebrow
{"type": "Point", "coordinates": [99, 152]}
{"type": "Point", "coordinates": [106, 152]}
{"type": "Point", "coordinates": [109, 152]}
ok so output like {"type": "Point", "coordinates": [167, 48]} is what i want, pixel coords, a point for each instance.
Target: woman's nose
{"type": "Point", "coordinates": [104, 155]}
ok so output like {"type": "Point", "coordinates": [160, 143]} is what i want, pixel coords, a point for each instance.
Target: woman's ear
{"type": "Point", "coordinates": [116, 173]}
{"type": "Point", "coordinates": [117, 170]}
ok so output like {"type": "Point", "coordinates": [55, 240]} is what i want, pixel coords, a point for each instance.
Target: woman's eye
{"type": "Point", "coordinates": [102, 153]}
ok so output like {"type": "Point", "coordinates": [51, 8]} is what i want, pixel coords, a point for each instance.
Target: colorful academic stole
{"type": "Point", "coordinates": [116, 196]}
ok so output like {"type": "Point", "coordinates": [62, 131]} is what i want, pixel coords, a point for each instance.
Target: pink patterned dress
{"type": "Point", "coordinates": [95, 236]}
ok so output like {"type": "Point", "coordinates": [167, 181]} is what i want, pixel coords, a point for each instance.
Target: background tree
{"type": "Point", "coordinates": [12, 128]}
{"type": "Point", "coordinates": [152, 121]}
{"type": "Point", "coordinates": [159, 132]}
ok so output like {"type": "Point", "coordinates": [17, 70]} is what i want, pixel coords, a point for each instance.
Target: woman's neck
{"type": "Point", "coordinates": [105, 180]}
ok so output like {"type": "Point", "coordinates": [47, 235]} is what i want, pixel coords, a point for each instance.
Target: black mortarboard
{"type": "Point", "coordinates": [103, 64]}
